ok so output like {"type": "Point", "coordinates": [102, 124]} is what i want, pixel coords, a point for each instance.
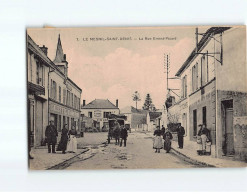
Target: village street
{"type": "Point", "coordinates": [138, 154]}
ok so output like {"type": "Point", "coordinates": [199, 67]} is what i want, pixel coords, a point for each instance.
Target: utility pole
{"type": "Point", "coordinates": [167, 70]}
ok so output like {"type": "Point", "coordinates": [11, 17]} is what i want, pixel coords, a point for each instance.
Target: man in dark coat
{"type": "Point", "coordinates": [180, 133]}
{"type": "Point", "coordinates": [51, 136]}
{"type": "Point", "coordinates": [123, 135]}
{"type": "Point", "coordinates": [163, 130]}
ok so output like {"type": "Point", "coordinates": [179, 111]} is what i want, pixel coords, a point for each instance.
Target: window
{"type": "Point", "coordinates": [204, 68]}
{"type": "Point", "coordinates": [90, 114]}
{"type": "Point", "coordinates": [204, 115]}
{"type": "Point", "coordinates": [195, 77]}
{"type": "Point", "coordinates": [64, 96]}
{"type": "Point", "coordinates": [59, 94]}
{"type": "Point", "coordinates": [51, 88]}
{"type": "Point", "coordinates": [37, 72]}
{"type": "Point", "coordinates": [72, 100]}
{"type": "Point", "coordinates": [184, 87]}
{"type": "Point", "coordinates": [54, 90]}
{"type": "Point", "coordinates": [68, 96]}
{"type": "Point", "coordinates": [106, 114]}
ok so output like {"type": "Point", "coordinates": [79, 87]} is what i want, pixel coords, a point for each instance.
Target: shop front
{"type": "Point", "coordinates": [61, 115]}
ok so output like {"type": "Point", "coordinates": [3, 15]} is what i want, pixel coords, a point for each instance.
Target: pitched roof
{"type": "Point", "coordinates": [100, 104]}
{"type": "Point", "coordinates": [154, 115]}
{"type": "Point", "coordinates": [209, 33]}
{"type": "Point", "coordinates": [59, 53]}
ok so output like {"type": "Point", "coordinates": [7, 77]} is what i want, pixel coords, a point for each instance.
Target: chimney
{"type": "Point", "coordinates": [84, 103]}
{"type": "Point", "coordinates": [64, 57]}
{"type": "Point", "coordinates": [116, 102]}
{"type": "Point", "coordinates": [44, 49]}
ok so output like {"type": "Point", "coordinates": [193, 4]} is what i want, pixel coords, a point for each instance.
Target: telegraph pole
{"type": "Point", "coordinates": [167, 70]}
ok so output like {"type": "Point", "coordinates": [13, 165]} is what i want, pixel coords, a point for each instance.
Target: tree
{"type": "Point", "coordinates": [136, 97]}
{"type": "Point", "coordinates": [148, 104]}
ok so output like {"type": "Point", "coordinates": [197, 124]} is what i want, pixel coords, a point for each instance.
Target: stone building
{"type": "Point", "coordinates": [213, 90]}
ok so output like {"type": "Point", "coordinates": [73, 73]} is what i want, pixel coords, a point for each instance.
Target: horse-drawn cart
{"type": "Point", "coordinates": [115, 121]}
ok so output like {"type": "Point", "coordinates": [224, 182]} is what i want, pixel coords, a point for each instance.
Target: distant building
{"type": "Point", "coordinates": [99, 110]}
{"type": "Point", "coordinates": [135, 117]}
{"type": "Point", "coordinates": [214, 91]}
{"type": "Point", "coordinates": [153, 120]}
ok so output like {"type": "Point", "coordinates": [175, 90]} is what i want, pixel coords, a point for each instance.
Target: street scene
{"type": "Point", "coordinates": [136, 98]}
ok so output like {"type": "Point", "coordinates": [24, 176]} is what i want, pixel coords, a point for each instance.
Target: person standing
{"type": "Point", "coordinates": [72, 144]}
{"type": "Point", "coordinates": [157, 140]}
{"type": "Point", "coordinates": [29, 142]}
{"type": "Point", "coordinates": [205, 137]}
{"type": "Point", "coordinates": [180, 133]}
{"type": "Point", "coordinates": [167, 143]}
{"type": "Point", "coordinates": [123, 135]}
{"type": "Point", "coordinates": [163, 130]}
{"type": "Point", "coordinates": [62, 146]}
{"type": "Point", "coordinates": [51, 136]}
{"type": "Point", "coordinates": [199, 140]}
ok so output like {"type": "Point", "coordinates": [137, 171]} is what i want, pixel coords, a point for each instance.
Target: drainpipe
{"type": "Point", "coordinates": [50, 71]}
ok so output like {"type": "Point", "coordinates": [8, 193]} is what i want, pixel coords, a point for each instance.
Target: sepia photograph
{"type": "Point", "coordinates": [136, 97]}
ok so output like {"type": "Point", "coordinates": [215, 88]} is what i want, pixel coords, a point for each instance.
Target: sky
{"type": "Point", "coordinates": [115, 69]}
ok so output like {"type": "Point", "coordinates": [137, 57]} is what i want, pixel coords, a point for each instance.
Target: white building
{"type": "Point", "coordinates": [213, 91]}
{"type": "Point", "coordinates": [99, 110]}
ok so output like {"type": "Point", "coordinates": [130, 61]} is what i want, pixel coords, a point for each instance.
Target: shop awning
{"type": "Point", "coordinates": [35, 89]}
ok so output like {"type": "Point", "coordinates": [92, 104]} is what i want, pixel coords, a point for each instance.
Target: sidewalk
{"type": "Point", "coordinates": [44, 160]}
{"type": "Point", "coordinates": [189, 153]}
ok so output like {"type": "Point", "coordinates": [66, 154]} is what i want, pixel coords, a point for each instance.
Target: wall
{"type": "Point", "coordinates": [232, 75]}
{"type": "Point", "coordinates": [239, 128]}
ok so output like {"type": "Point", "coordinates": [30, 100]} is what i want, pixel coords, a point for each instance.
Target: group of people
{"type": "Point", "coordinates": [68, 140]}
{"type": "Point", "coordinates": [167, 136]}
{"type": "Point", "coordinates": [120, 133]}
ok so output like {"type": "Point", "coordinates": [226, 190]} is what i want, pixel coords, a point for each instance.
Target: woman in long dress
{"type": "Point", "coordinates": [62, 146]}
{"type": "Point", "coordinates": [157, 140]}
{"type": "Point", "coordinates": [72, 144]}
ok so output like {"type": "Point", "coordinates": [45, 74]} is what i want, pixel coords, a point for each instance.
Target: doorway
{"type": "Point", "coordinates": [228, 140]}
{"type": "Point", "coordinates": [194, 122]}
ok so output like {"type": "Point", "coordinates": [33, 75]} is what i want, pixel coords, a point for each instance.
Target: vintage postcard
{"type": "Point", "coordinates": [136, 97]}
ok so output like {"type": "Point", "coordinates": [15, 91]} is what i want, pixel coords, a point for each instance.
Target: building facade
{"type": "Point", "coordinates": [213, 90]}
{"type": "Point", "coordinates": [64, 94]}
{"type": "Point", "coordinates": [51, 94]}
{"type": "Point", "coordinates": [38, 67]}
{"type": "Point", "coordinates": [99, 110]}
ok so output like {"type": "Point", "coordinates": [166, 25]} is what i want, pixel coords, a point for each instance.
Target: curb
{"type": "Point", "coordinates": [191, 160]}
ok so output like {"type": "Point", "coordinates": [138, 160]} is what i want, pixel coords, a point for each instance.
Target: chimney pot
{"type": "Point", "coordinates": [84, 103]}
{"type": "Point", "coordinates": [44, 49]}
{"type": "Point", "coordinates": [116, 102]}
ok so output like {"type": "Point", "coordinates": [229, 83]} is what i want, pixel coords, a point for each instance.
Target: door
{"type": "Point", "coordinates": [194, 122]}
{"type": "Point", "coordinates": [229, 142]}
{"type": "Point", "coordinates": [38, 123]}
